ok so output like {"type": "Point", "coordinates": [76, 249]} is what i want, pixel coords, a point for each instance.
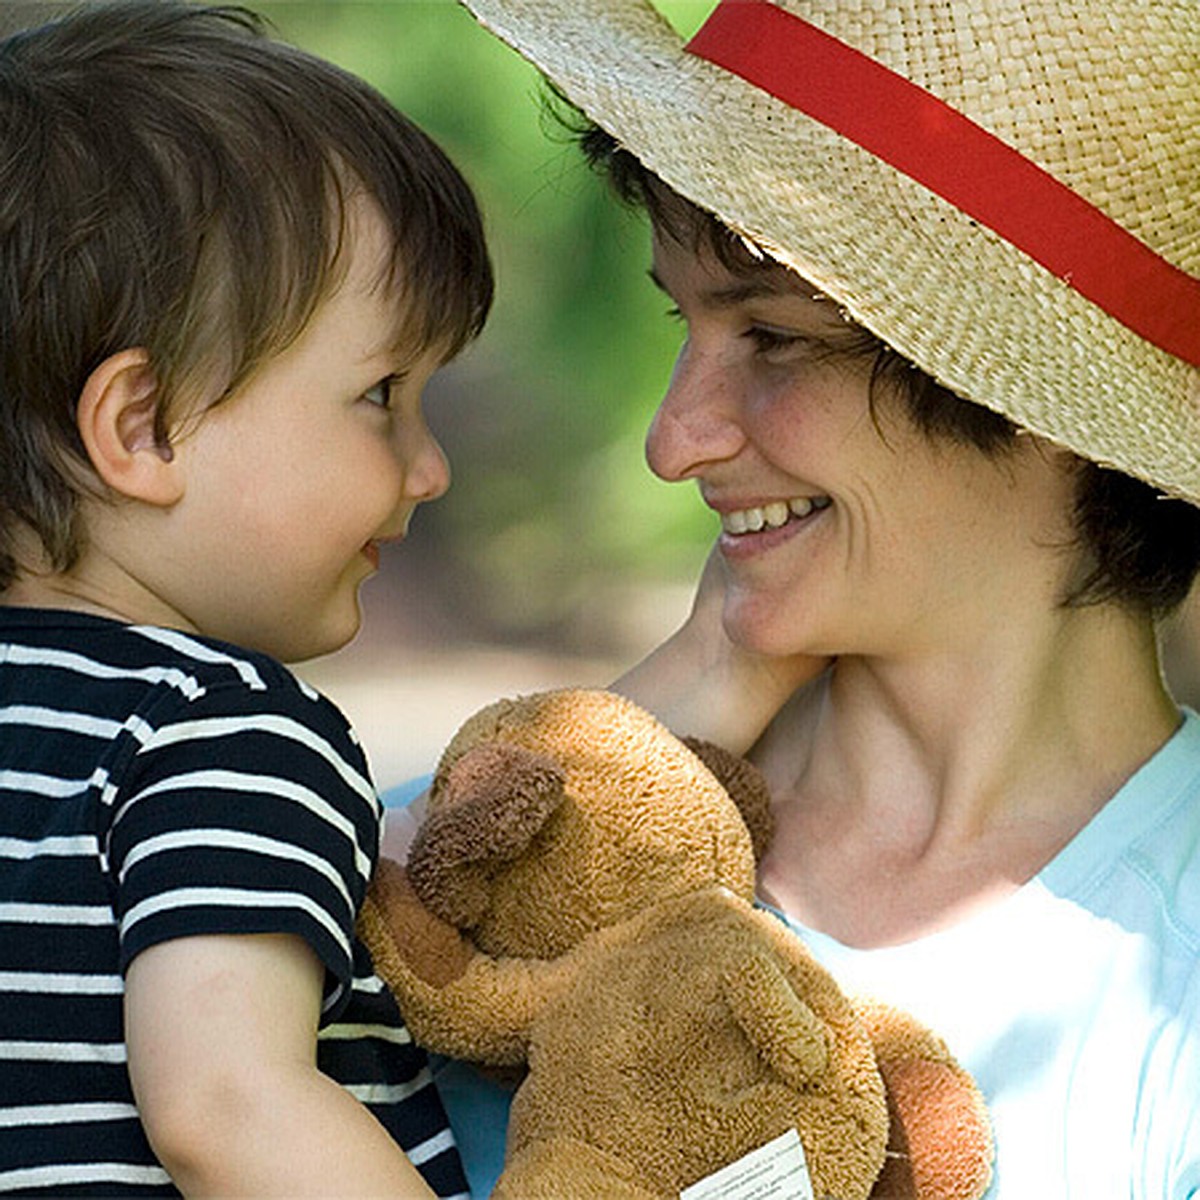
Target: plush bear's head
{"type": "Point", "coordinates": [560, 813]}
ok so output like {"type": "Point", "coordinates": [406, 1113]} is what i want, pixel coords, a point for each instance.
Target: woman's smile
{"type": "Point", "coordinates": [758, 528]}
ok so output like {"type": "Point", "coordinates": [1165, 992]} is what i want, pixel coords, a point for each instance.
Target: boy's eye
{"type": "Point", "coordinates": [380, 394]}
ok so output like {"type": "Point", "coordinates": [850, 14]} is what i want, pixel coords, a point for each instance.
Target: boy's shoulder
{"type": "Point", "coordinates": [145, 680]}
{"type": "Point", "coordinates": [84, 645]}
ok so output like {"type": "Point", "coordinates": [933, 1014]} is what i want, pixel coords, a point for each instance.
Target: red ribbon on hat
{"type": "Point", "coordinates": [982, 176]}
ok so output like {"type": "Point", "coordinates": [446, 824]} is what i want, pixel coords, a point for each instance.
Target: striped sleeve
{"type": "Point", "coordinates": [370, 1051]}
{"type": "Point", "coordinates": [249, 811]}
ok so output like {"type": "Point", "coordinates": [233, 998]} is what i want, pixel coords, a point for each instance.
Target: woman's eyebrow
{"type": "Point", "coordinates": [731, 295]}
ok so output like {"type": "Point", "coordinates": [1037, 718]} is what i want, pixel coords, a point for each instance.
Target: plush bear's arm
{"type": "Point", "coordinates": [455, 1000]}
{"type": "Point", "coordinates": [940, 1141]}
{"type": "Point", "coordinates": [569, 1167]}
{"type": "Point", "coordinates": [404, 937]}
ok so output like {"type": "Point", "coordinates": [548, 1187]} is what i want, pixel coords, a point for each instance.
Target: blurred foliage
{"type": "Point", "coordinates": [543, 420]}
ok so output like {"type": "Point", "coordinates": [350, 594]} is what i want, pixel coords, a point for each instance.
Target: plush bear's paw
{"type": "Point", "coordinates": [405, 937]}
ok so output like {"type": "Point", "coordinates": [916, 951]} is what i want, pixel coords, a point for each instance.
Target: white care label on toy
{"type": "Point", "coordinates": [776, 1171]}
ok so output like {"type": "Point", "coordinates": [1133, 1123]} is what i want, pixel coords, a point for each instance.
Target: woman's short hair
{"type": "Point", "coordinates": [171, 178]}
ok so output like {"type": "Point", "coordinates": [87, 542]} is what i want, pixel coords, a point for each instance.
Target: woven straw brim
{"type": "Point", "coordinates": [956, 299]}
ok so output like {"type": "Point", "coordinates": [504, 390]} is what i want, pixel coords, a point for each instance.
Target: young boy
{"type": "Point", "coordinates": [227, 271]}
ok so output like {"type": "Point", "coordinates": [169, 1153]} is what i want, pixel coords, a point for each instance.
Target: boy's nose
{"type": "Point", "coordinates": [428, 469]}
{"type": "Point", "coordinates": [697, 422]}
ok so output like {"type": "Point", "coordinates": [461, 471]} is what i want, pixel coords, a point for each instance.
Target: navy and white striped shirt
{"type": "Point", "coordinates": [155, 786]}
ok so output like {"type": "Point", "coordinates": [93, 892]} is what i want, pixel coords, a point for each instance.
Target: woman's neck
{"type": "Point", "coordinates": [910, 791]}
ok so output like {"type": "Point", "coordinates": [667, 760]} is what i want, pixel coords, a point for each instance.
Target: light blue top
{"type": "Point", "coordinates": [1075, 1003]}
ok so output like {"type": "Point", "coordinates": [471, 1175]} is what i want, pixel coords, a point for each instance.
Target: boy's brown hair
{"type": "Point", "coordinates": [173, 179]}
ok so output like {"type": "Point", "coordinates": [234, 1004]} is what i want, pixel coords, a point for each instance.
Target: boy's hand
{"type": "Point", "coordinates": [699, 682]}
{"type": "Point", "coordinates": [222, 1035]}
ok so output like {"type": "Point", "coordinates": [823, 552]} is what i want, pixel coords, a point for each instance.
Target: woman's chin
{"type": "Point", "coordinates": [765, 634]}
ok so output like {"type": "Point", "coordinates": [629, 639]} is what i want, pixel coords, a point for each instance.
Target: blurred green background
{"type": "Point", "coordinates": [554, 527]}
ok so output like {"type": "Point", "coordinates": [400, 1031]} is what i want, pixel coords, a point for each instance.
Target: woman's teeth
{"type": "Point", "coordinates": [771, 516]}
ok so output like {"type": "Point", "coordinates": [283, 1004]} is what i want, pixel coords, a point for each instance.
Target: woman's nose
{"type": "Point", "coordinates": [697, 422]}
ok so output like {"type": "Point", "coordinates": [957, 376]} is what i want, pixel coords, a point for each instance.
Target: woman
{"type": "Point", "coordinates": [988, 808]}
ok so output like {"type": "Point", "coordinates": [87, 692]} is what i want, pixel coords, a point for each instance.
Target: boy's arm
{"type": "Point", "coordinates": [699, 682]}
{"type": "Point", "coordinates": [222, 1034]}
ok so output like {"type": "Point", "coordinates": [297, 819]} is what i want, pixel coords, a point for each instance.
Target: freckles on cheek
{"type": "Point", "coordinates": [805, 413]}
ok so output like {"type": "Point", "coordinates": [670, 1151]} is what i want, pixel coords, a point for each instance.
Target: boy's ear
{"type": "Point", "coordinates": [116, 419]}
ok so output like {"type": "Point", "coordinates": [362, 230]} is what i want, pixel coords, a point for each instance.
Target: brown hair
{"type": "Point", "coordinates": [172, 178]}
{"type": "Point", "coordinates": [1139, 548]}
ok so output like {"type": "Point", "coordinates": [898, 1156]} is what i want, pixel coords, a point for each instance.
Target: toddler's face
{"type": "Point", "coordinates": [297, 481]}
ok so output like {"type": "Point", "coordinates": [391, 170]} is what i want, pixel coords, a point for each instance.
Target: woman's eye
{"type": "Point", "coordinates": [767, 339]}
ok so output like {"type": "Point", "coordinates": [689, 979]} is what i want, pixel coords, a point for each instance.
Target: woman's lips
{"type": "Point", "coordinates": [772, 515]}
{"type": "Point", "coordinates": [757, 528]}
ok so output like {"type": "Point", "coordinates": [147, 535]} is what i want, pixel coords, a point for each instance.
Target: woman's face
{"type": "Point", "coordinates": [844, 531]}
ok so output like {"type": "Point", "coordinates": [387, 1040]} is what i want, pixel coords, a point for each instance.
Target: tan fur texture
{"type": "Point", "coordinates": [580, 901]}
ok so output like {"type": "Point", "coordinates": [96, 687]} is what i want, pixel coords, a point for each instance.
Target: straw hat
{"type": "Point", "coordinates": [1006, 191]}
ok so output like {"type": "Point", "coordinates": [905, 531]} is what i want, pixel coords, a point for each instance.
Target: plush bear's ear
{"type": "Point", "coordinates": [490, 805]}
{"type": "Point", "coordinates": [745, 785]}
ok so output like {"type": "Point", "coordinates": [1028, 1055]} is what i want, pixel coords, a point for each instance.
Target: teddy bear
{"type": "Point", "coordinates": [579, 904]}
